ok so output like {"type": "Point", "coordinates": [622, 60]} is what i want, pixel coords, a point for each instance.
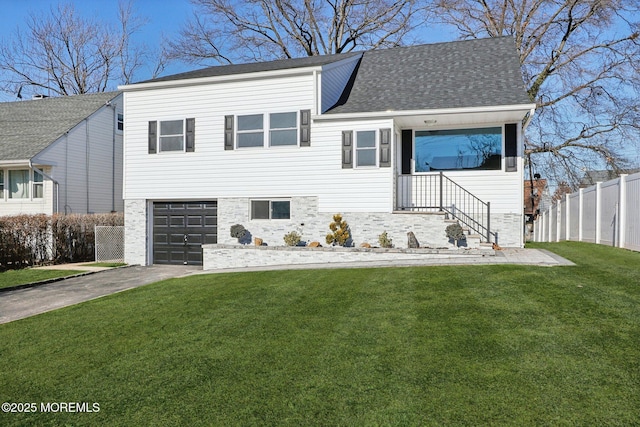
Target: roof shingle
{"type": "Point", "coordinates": [28, 127]}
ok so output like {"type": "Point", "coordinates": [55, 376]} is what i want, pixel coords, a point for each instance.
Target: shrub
{"type": "Point", "coordinates": [238, 231]}
{"type": "Point", "coordinates": [292, 238]}
{"type": "Point", "coordinates": [455, 232]}
{"type": "Point", "coordinates": [341, 233]}
{"type": "Point", "coordinates": [385, 241]}
{"type": "Point", "coordinates": [27, 240]}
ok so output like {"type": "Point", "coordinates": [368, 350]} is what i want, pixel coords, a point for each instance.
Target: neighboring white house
{"type": "Point", "coordinates": [387, 138]}
{"type": "Point", "coordinates": [61, 155]}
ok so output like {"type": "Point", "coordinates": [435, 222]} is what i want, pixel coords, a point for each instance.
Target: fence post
{"type": "Point", "coordinates": [558, 220]}
{"type": "Point", "coordinates": [598, 212]}
{"type": "Point", "coordinates": [622, 210]}
{"type": "Point", "coordinates": [580, 213]}
{"type": "Point", "coordinates": [567, 204]}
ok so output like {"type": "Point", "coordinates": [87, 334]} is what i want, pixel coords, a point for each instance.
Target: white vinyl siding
{"type": "Point", "coordinates": [87, 164]}
{"type": "Point", "coordinates": [334, 79]}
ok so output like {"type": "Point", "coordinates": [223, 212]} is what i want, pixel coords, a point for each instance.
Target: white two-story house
{"type": "Point", "coordinates": [394, 140]}
{"type": "Point", "coordinates": [61, 155]}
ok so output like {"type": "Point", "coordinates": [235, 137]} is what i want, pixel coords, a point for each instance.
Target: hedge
{"type": "Point", "coordinates": [28, 240]}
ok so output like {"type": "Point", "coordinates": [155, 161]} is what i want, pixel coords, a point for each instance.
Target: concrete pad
{"type": "Point", "coordinates": [22, 303]}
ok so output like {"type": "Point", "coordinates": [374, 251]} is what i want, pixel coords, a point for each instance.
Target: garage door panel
{"type": "Point", "coordinates": [172, 221]}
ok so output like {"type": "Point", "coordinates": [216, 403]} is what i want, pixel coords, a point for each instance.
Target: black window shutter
{"type": "Point", "coordinates": [347, 149]}
{"type": "Point", "coordinates": [228, 132]}
{"type": "Point", "coordinates": [385, 148]}
{"type": "Point", "coordinates": [153, 137]}
{"type": "Point", "coordinates": [305, 128]}
{"type": "Point", "coordinates": [191, 137]}
{"type": "Point", "coordinates": [511, 147]}
{"type": "Point", "coordinates": [407, 151]}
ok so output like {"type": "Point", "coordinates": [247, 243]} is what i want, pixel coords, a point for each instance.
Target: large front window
{"type": "Point", "coordinates": [460, 149]}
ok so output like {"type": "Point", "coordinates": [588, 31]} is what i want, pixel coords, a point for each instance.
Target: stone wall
{"type": "Point", "coordinates": [216, 257]}
{"type": "Point", "coordinates": [135, 232]}
{"type": "Point", "coordinates": [313, 225]}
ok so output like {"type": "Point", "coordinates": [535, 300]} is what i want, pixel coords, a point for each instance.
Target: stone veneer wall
{"type": "Point", "coordinates": [216, 257]}
{"type": "Point", "coordinates": [135, 231]}
{"type": "Point", "coordinates": [313, 225]}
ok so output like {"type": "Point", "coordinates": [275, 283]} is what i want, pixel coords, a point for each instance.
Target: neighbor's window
{"type": "Point", "coordinates": [460, 149]}
{"type": "Point", "coordinates": [250, 131]}
{"type": "Point", "coordinates": [172, 135]}
{"type": "Point", "coordinates": [366, 148]}
{"type": "Point", "coordinates": [38, 186]}
{"type": "Point", "coordinates": [283, 129]}
{"type": "Point", "coordinates": [19, 184]}
{"type": "Point", "coordinates": [1, 184]}
{"type": "Point", "coordinates": [120, 122]}
{"type": "Point", "coordinates": [270, 209]}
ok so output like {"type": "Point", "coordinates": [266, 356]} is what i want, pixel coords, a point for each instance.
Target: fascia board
{"type": "Point", "coordinates": [256, 75]}
{"type": "Point", "coordinates": [525, 108]}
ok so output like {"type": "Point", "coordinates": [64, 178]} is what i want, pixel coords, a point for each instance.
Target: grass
{"type": "Point", "coordinates": [20, 277]}
{"type": "Point", "coordinates": [472, 345]}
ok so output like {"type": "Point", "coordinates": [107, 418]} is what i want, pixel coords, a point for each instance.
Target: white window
{"type": "Point", "coordinates": [38, 185]}
{"type": "Point", "coordinates": [283, 129]}
{"type": "Point", "coordinates": [366, 148]}
{"type": "Point", "coordinates": [172, 135]}
{"type": "Point", "coordinates": [120, 122]}
{"type": "Point", "coordinates": [251, 131]}
{"type": "Point", "coordinates": [270, 209]}
{"type": "Point", "coordinates": [19, 184]}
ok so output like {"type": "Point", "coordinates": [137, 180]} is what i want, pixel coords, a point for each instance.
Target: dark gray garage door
{"type": "Point", "coordinates": [180, 228]}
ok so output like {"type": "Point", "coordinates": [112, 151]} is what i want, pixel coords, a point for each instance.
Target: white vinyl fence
{"type": "Point", "coordinates": [607, 213]}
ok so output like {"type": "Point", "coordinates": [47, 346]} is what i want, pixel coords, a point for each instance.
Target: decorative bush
{"type": "Point", "coordinates": [340, 229]}
{"type": "Point", "coordinates": [455, 232]}
{"type": "Point", "coordinates": [292, 238]}
{"type": "Point", "coordinates": [238, 231]}
{"type": "Point", "coordinates": [385, 241]}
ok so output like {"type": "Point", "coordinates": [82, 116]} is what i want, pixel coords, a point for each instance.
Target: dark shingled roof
{"type": "Point", "coordinates": [281, 64]}
{"type": "Point", "coordinates": [470, 73]}
{"type": "Point", "coordinates": [28, 127]}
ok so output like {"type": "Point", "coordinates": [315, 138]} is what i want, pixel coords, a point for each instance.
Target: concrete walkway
{"type": "Point", "coordinates": [21, 303]}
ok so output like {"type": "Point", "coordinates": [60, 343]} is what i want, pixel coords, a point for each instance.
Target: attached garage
{"type": "Point", "coordinates": [181, 228]}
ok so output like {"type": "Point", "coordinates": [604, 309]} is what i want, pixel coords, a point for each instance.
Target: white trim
{"type": "Point", "coordinates": [390, 114]}
{"type": "Point", "coordinates": [253, 75]}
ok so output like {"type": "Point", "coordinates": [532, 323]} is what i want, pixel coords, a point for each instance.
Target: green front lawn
{"type": "Point", "coordinates": [473, 345]}
{"type": "Point", "coordinates": [29, 275]}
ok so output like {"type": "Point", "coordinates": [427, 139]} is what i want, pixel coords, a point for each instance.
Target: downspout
{"type": "Point", "coordinates": [55, 184]}
{"type": "Point", "coordinates": [87, 158]}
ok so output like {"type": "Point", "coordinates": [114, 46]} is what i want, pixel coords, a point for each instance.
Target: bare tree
{"type": "Point", "coordinates": [580, 62]}
{"type": "Point", "coordinates": [62, 53]}
{"type": "Point", "coordinates": [241, 30]}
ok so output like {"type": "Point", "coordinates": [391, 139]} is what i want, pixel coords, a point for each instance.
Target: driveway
{"type": "Point", "coordinates": [22, 303]}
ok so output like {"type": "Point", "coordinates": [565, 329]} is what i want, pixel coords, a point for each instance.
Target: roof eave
{"type": "Point", "coordinates": [255, 75]}
{"type": "Point", "coordinates": [388, 114]}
